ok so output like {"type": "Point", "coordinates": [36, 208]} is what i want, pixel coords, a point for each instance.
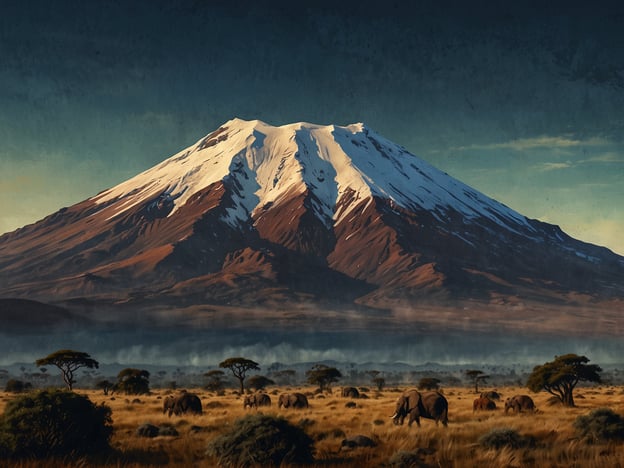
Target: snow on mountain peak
{"type": "Point", "coordinates": [271, 163]}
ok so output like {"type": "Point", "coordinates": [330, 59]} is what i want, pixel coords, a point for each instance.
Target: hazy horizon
{"type": "Point", "coordinates": [201, 348]}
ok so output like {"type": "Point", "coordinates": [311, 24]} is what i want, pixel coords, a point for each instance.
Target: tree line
{"type": "Point", "coordinates": [136, 381]}
{"type": "Point", "coordinates": [558, 377]}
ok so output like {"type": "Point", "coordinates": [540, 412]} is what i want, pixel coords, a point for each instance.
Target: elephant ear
{"type": "Point", "coordinates": [404, 404]}
{"type": "Point", "coordinates": [415, 401]}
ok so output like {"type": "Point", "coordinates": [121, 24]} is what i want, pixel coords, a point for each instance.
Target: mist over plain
{"type": "Point", "coordinates": [140, 344]}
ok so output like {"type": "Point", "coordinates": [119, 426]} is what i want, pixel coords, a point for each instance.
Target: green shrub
{"type": "Point", "coordinates": [503, 437]}
{"type": "Point", "coordinates": [51, 423]}
{"type": "Point", "coordinates": [600, 425]}
{"type": "Point", "coordinates": [259, 440]}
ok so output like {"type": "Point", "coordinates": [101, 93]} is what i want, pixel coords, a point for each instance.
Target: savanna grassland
{"type": "Point", "coordinates": [330, 418]}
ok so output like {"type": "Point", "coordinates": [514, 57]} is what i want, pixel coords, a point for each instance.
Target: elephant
{"type": "Point", "coordinates": [257, 399]}
{"type": "Point", "coordinates": [293, 400]}
{"type": "Point", "coordinates": [183, 403]}
{"type": "Point", "coordinates": [168, 403]}
{"type": "Point", "coordinates": [519, 403]}
{"type": "Point", "coordinates": [492, 395]}
{"type": "Point", "coordinates": [483, 404]}
{"type": "Point", "coordinates": [350, 392]}
{"type": "Point", "coordinates": [430, 405]}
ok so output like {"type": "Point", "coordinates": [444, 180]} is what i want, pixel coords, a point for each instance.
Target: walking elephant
{"type": "Point", "coordinates": [183, 403]}
{"type": "Point", "coordinates": [255, 400]}
{"type": "Point", "coordinates": [292, 400]}
{"type": "Point", "coordinates": [429, 405]}
{"type": "Point", "coordinates": [520, 403]}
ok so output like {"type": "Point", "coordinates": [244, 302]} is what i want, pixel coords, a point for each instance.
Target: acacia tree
{"type": "Point", "coordinates": [259, 382]}
{"type": "Point", "coordinates": [323, 376]}
{"type": "Point", "coordinates": [133, 381]}
{"type": "Point", "coordinates": [377, 379]}
{"type": "Point", "coordinates": [560, 377]}
{"type": "Point", "coordinates": [239, 367]}
{"type": "Point", "coordinates": [284, 376]}
{"type": "Point", "coordinates": [429, 383]}
{"type": "Point", "coordinates": [477, 376]}
{"type": "Point", "coordinates": [104, 385]}
{"type": "Point", "coordinates": [215, 380]}
{"type": "Point", "coordinates": [68, 362]}
{"type": "Point", "coordinates": [379, 383]}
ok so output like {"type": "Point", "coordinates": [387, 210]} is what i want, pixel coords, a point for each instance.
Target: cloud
{"type": "Point", "coordinates": [524, 144]}
{"type": "Point", "coordinates": [608, 157]}
{"type": "Point", "coordinates": [553, 166]}
{"type": "Point", "coordinates": [603, 158]}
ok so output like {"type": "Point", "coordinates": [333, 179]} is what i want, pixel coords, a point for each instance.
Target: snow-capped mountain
{"type": "Point", "coordinates": [254, 214]}
{"type": "Point", "coordinates": [270, 164]}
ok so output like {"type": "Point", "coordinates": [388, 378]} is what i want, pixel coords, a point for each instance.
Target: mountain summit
{"type": "Point", "coordinates": [254, 214]}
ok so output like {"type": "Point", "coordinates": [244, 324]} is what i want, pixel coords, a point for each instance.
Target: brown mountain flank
{"type": "Point", "coordinates": [224, 246]}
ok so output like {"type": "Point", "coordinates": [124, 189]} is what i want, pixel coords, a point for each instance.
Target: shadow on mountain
{"type": "Point", "coordinates": [24, 316]}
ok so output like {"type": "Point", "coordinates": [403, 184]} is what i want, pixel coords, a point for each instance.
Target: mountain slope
{"type": "Point", "coordinates": [255, 214]}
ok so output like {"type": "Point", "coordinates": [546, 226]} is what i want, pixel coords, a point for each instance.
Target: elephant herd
{"type": "Point", "coordinates": [430, 405]}
{"type": "Point", "coordinates": [186, 402]}
{"type": "Point", "coordinates": [285, 400]}
{"type": "Point", "coordinates": [433, 405]}
{"type": "Point", "coordinates": [517, 403]}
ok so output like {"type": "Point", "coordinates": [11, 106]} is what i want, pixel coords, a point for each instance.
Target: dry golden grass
{"type": "Point", "coordinates": [328, 420]}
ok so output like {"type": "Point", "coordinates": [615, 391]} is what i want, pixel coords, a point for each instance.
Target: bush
{"type": "Point", "coordinates": [54, 423]}
{"type": "Point", "coordinates": [149, 430]}
{"type": "Point", "coordinates": [499, 438]}
{"type": "Point", "coordinates": [17, 386]}
{"type": "Point", "coordinates": [410, 459]}
{"type": "Point", "coordinates": [429, 383]}
{"type": "Point", "coordinates": [168, 431]}
{"type": "Point", "coordinates": [601, 424]}
{"type": "Point", "coordinates": [133, 381]}
{"type": "Point", "coordinates": [259, 440]}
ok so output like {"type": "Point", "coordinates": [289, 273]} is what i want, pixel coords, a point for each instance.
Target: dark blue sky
{"type": "Point", "coordinates": [523, 102]}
